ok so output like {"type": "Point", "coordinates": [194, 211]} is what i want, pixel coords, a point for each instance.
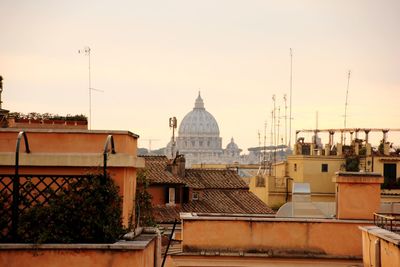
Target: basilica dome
{"type": "Point", "coordinates": [198, 122]}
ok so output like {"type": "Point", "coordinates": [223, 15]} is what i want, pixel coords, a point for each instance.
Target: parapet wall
{"type": "Point", "coordinates": [123, 253]}
{"type": "Point", "coordinates": [320, 238]}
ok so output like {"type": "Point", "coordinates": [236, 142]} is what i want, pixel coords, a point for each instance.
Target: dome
{"type": "Point", "coordinates": [198, 122]}
{"type": "Point", "coordinates": [232, 145]}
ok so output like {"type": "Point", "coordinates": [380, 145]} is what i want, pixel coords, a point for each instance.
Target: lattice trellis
{"type": "Point", "coordinates": [33, 190]}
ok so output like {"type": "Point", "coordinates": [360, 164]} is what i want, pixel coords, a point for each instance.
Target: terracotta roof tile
{"type": "Point", "coordinates": [166, 214]}
{"type": "Point", "coordinates": [155, 167]}
{"type": "Point", "coordinates": [236, 201]}
{"type": "Point", "coordinates": [214, 178]}
{"type": "Point", "coordinates": [228, 201]}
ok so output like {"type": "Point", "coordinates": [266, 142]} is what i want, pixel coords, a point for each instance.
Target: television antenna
{"type": "Point", "coordinates": [86, 51]}
{"type": "Point", "coordinates": [290, 97]}
{"type": "Point", "coordinates": [346, 104]}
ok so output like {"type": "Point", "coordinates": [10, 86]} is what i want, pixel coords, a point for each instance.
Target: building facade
{"type": "Point", "coordinates": [198, 139]}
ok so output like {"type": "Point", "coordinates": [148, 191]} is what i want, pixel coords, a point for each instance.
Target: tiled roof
{"type": "Point", "coordinates": [214, 179]}
{"type": "Point", "coordinates": [157, 173]}
{"type": "Point", "coordinates": [230, 201]}
{"type": "Point", "coordinates": [166, 214]}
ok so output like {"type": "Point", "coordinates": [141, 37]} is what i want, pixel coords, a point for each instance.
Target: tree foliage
{"type": "Point", "coordinates": [144, 209]}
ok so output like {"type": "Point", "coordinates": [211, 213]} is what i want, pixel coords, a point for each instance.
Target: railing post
{"type": "Point", "coordinates": [109, 141]}
{"type": "Point", "coordinates": [16, 200]}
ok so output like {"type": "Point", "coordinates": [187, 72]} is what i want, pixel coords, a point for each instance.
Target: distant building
{"type": "Point", "coordinates": [316, 164]}
{"type": "Point", "coordinates": [198, 139]}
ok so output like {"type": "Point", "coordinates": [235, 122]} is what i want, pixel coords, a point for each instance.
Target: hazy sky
{"type": "Point", "coordinates": [151, 58]}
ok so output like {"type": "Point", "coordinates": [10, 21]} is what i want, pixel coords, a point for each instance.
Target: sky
{"type": "Point", "coordinates": [152, 57]}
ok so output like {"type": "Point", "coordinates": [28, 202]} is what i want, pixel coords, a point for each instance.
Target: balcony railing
{"type": "Point", "coordinates": [388, 221]}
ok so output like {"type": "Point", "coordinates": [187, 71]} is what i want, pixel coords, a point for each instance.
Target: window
{"type": "Point", "coordinates": [295, 167]}
{"type": "Point", "coordinates": [195, 196]}
{"type": "Point", "coordinates": [324, 167]}
{"type": "Point", "coordinates": [171, 195]}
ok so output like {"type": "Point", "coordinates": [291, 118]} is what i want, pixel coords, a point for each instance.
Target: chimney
{"type": "Point", "coordinates": [358, 194]}
{"type": "Point", "coordinates": [177, 166]}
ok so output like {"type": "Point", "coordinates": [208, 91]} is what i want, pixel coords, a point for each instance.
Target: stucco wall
{"type": "Point", "coordinates": [318, 237]}
{"type": "Point", "coordinates": [79, 257]}
{"type": "Point", "coordinates": [75, 152]}
{"type": "Point", "coordinates": [309, 171]}
{"type": "Point", "coordinates": [86, 255]}
{"type": "Point", "coordinates": [389, 249]}
{"type": "Point", "coordinates": [47, 141]}
{"type": "Point", "coordinates": [158, 194]}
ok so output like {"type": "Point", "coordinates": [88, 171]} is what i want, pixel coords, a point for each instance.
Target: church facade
{"type": "Point", "coordinates": [198, 139]}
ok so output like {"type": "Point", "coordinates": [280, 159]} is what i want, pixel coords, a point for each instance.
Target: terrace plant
{"type": "Point", "coordinates": [88, 212]}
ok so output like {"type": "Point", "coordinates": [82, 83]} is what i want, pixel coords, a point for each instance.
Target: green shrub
{"type": "Point", "coordinates": [352, 164]}
{"type": "Point", "coordinates": [89, 213]}
{"type": "Point", "coordinates": [143, 201]}
{"type": "Point", "coordinates": [5, 207]}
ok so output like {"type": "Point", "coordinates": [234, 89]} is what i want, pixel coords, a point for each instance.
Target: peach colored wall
{"type": "Point", "coordinates": [78, 258]}
{"type": "Point", "coordinates": [68, 142]}
{"type": "Point", "coordinates": [78, 142]}
{"type": "Point", "coordinates": [158, 194]}
{"type": "Point", "coordinates": [358, 201]}
{"type": "Point", "coordinates": [329, 237]}
{"type": "Point", "coordinates": [390, 253]}
{"type": "Point", "coordinates": [247, 261]}
{"type": "Point", "coordinates": [358, 195]}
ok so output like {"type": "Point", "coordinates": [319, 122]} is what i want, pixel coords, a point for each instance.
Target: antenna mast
{"type": "Point", "coordinates": [265, 146]}
{"type": "Point", "coordinates": [259, 145]}
{"type": "Point", "coordinates": [284, 98]}
{"type": "Point", "coordinates": [345, 105]}
{"type": "Point", "coordinates": [173, 124]}
{"type": "Point", "coordinates": [290, 97]}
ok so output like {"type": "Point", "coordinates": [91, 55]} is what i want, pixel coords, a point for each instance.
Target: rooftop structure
{"type": "Point", "coordinates": [315, 163]}
{"type": "Point", "coordinates": [177, 189]}
{"type": "Point", "coordinates": [253, 240]}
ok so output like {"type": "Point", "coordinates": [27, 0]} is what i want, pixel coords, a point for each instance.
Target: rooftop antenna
{"type": "Point", "coordinates": [1, 89]}
{"type": "Point", "coordinates": [290, 96]}
{"type": "Point", "coordinates": [265, 146]}
{"type": "Point", "coordinates": [259, 145]}
{"type": "Point", "coordinates": [278, 125]}
{"type": "Point", "coordinates": [272, 141]}
{"type": "Point", "coordinates": [86, 51]}
{"type": "Point", "coordinates": [260, 156]}
{"type": "Point", "coordinates": [284, 99]}
{"type": "Point", "coordinates": [345, 105]}
{"type": "Point", "coordinates": [173, 124]}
